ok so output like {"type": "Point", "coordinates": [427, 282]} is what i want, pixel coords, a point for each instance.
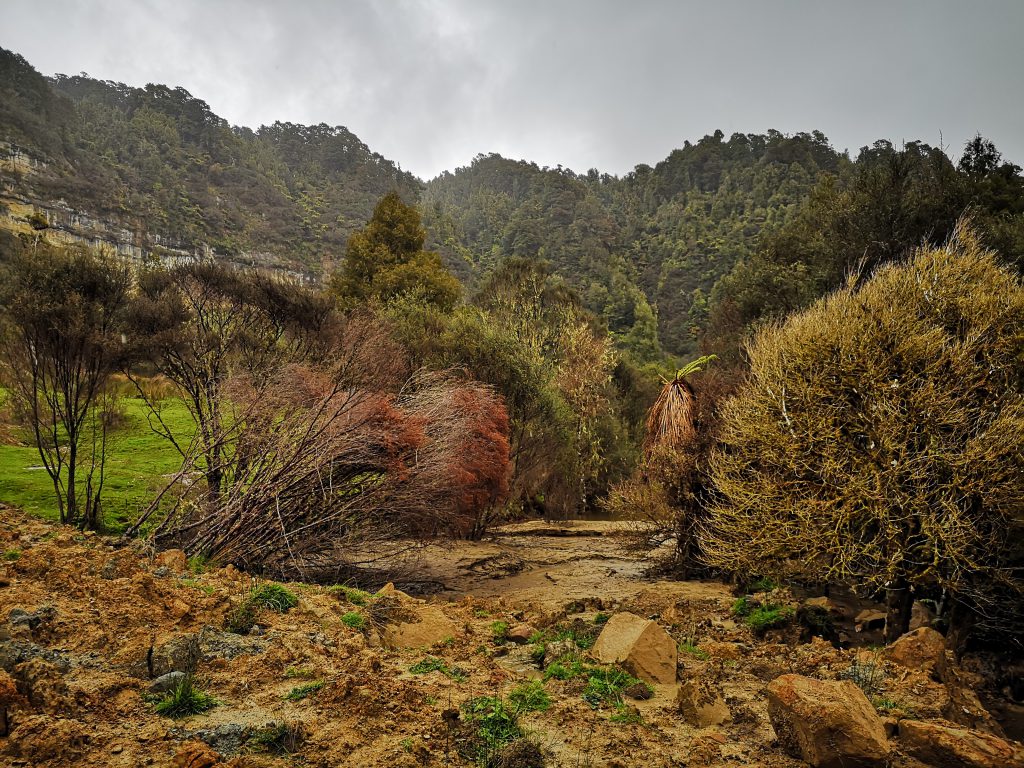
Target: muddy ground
{"type": "Point", "coordinates": [90, 623]}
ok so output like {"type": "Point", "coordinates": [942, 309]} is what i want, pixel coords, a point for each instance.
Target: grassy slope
{"type": "Point", "coordinates": [137, 463]}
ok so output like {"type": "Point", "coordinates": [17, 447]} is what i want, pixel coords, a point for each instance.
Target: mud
{"type": "Point", "coordinates": [86, 623]}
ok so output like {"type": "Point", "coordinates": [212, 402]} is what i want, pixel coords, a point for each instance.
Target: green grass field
{"type": "Point", "coordinates": [139, 462]}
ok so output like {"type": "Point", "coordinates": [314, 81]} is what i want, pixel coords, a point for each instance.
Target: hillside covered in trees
{"type": "Point", "coordinates": [688, 253]}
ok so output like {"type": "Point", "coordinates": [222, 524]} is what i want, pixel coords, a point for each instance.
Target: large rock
{"type": "Point", "coordinates": [178, 654]}
{"type": "Point", "coordinates": [946, 746]}
{"type": "Point", "coordinates": [427, 626]}
{"type": "Point", "coordinates": [701, 705]}
{"type": "Point", "coordinates": [921, 649]}
{"type": "Point", "coordinates": [640, 646]}
{"type": "Point", "coordinates": [829, 724]}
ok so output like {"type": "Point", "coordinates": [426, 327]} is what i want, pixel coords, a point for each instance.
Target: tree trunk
{"type": "Point", "coordinates": [961, 625]}
{"type": "Point", "coordinates": [899, 600]}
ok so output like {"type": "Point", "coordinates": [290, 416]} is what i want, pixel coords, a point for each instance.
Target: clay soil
{"type": "Point", "coordinates": [87, 616]}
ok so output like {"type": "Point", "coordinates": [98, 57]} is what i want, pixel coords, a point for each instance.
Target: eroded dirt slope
{"type": "Point", "coordinates": [88, 627]}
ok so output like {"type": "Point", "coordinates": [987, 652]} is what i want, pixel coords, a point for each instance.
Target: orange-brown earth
{"type": "Point", "coordinates": [89, 622]}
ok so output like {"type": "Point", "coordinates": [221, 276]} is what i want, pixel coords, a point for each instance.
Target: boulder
{"type": "Point", "coordinates": [701, 705]}
{"type": "Point", "coordinates": [947, 746]}
{"type": "Point", "coordinates": [428, 626]}
{"type": "Point", "coordinates": [174, 560]}
{"type": "Point", "coordinates": [829, 724]}
{"type": "Point", "coordinates": [922, 649]}
{"type": "Point", "coordinates": [640, 646]}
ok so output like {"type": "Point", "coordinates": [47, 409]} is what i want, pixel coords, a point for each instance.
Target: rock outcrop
{"type": "Point", "coordinates": [829, 724]}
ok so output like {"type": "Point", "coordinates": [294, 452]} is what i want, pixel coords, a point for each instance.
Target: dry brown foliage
{"type": "Point", "coordinates": [878, 438]}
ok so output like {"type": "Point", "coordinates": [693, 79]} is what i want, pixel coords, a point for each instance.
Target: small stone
{"type": "Point", "coordinates": [555, 650]}
{"type": "Point", "coordinates": [166, 683]}
{"type": "Point", "coordinates": [178, 608]}
{"type": "Point", "coordinates": [638, 691]}
{"type": "Point", "coordinates": [179, 654]}
{"type": "Point", "coordinates": [117, 749]}
{"type": "Point", "coordinates": [19, 616]}
{"type": "Point", "coordinates": [521, 633]}
{"type": "Point", "coordinates": [921, 649]}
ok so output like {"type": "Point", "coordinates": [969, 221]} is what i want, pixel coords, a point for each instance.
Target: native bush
{"type": "Point", "coordinates": [877, 439]}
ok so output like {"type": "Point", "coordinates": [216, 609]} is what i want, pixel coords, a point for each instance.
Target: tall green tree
{"type": "Point", "coordinates": [386, 259]}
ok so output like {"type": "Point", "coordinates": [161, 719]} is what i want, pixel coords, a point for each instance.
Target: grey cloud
{"type": "Point", "coordinates": [578, 83]}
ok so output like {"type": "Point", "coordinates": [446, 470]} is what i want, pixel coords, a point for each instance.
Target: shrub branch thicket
{"type": "Point", "coordinates": [877, 440]}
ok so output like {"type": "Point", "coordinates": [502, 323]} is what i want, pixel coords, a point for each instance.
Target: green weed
{"type": "Point", "coordinates": [495, 725]}
{"type": "Point", "coordinates": [626, 715]}
{"type": "Point", "coordinates": [605, 686]}
{"type": "Point", "coordinates": [301, 692]}
{"type": "Point", "coordinates": [433, 664]}
{"type": "Point", "coordinates": [499, 629]}
{"type": "Point", "coordinates": [529, 697]}
{"type": "Point", "coordinates": [184, 700]}
{"type": "Point", "coordinates": [690, 649]}
{"type": "Point", "coordinates": [769, 616]}
{"type": "Point", "coordinates": [354, 620]}
{"type": "Point", "coordinates": [273, 596]}
{"type": "Point", "coordinates": [566, 668]}
{"type": "Point", "coordinates": [283, 739]}
{"type": "Point", "coordinates": [353, 595]}
{"type": "Point", "coordinates": [742, 607]}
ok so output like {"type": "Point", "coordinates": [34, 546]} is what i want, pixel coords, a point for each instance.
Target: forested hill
{"type": "Point", "coordinates": [157, 162]}
{"type": "Point", "coordinates": [659, 238]}
{"type": "Point", "coordinates": [688, 253]}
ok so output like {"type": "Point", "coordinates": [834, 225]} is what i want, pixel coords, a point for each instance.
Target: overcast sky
{"type": "Point", "coordinates": [584, 84]}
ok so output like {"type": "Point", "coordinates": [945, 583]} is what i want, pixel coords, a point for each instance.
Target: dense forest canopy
{"type": "Point", "coordinates": [688, 254]}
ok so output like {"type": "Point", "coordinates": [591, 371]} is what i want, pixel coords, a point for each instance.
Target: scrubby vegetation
{"type": "Point", "coordinates": [790, 370]}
